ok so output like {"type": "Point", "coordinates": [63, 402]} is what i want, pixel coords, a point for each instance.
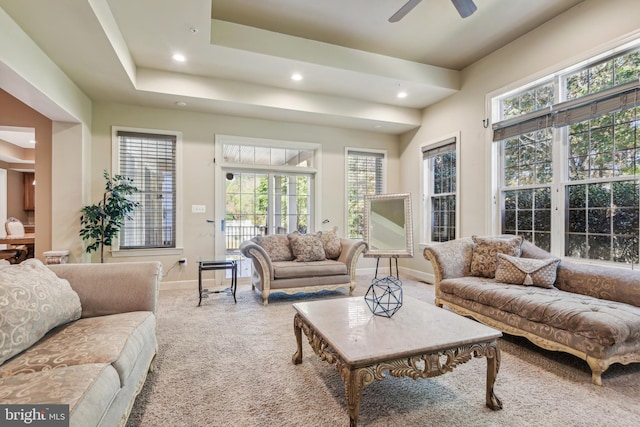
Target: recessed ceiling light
{"type": "Point", "coordinates": [181, 104]}
{"type": "Point", "coordinates": [33, 141]}
{"type": "Point", "coordinates": [296, 76]}
{"type": "Point", "coordinates": [402, 94]}
{"type": "Point", "coordinates": [179, 57]}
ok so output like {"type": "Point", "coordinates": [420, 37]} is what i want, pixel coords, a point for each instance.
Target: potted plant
{"type": "Point", "coordinates": [102, 221]}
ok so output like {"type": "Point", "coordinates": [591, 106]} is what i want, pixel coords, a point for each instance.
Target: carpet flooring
{"type": "Point", "coordinates": [226, 364]}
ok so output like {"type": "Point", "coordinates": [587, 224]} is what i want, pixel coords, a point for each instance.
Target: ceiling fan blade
{"type": "Point", "coordinates": [404, 10]}
{"type": "Point", "coordinates": [465, 7]}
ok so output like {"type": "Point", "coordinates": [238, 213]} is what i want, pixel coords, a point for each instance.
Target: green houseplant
{"type": "Point", "coordinates": [102, 221]}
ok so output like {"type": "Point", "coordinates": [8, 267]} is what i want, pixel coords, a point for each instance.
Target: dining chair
{"type": "Point", "coordinates": [14, 227]}
{"type": "Point", "coordinates": [15, 254]}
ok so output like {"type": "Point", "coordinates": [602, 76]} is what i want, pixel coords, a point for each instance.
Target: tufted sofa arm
{"type": "Point", "coordinates": [349, 253]}
{"type": "Point", "coordinates": [450, 259]}
{"type": "Point", "coordinates": [252, 250]}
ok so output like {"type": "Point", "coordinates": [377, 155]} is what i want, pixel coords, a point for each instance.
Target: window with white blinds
{"type": "Point", "coordinates": [365, 176]}
{"type": "Point", "coordinates": [440, 169]}
{"type": "Point", "coordinates": [150, 161]}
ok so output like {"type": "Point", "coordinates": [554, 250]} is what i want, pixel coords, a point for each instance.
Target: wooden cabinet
{"type": "Point", "coordinates": [29, 191]}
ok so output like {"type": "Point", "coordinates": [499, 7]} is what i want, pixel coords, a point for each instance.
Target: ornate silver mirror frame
{"type": "Point", "coordinates": [388, 228]}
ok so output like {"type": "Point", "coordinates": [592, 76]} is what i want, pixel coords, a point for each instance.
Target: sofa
{"type": "Point", "coordinates": [590, 311]}
{"type": "Point", "coordinates": [294, 262]}
{"type": "Point", "coordinates": [82, 335]}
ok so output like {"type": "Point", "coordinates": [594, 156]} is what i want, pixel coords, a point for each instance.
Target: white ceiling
{"type": "Point", "coordinates": [241, 53]}
{"type": "Point", "coordinates": [20, 136]}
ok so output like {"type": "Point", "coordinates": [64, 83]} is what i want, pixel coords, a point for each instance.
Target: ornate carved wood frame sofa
{"type": "Point", "coordinates": [302, 263]}
{"type": "Point", "coordinates": [590, 311]}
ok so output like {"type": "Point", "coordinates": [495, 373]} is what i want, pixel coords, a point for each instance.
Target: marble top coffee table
{"type": "Point", "coordinates": [419, 341]}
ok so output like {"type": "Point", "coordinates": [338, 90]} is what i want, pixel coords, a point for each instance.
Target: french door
{"type": "Point", "coordinates": [262, 203]}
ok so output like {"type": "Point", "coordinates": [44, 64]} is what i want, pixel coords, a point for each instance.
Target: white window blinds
{"type": "Point", "coordinates": [150, 161]}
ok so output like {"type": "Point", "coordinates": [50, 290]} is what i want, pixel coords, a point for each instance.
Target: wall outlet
{"type": "Point", "coordinates": [198, 209]}
{"type": "Point", "coordinates": [182, 261]}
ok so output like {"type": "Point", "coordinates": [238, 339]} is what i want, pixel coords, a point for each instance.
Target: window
{"type": "Point", "coordinates": [440, 173]}
{"type": "Point", "coordinates": [149, 159]}
{"type": "Point", "coordinates": [248, 154]}
{"type": "Point", "coordinates": [602, 197]}
{"type": "Point", "coordinates": [577, 156]}
{"type": "Point", "coordinates": [365, 170]}
{"type": "Point", "coordinates": [249, 212]}
{"type": "Point", "coordinates": [526, 190]}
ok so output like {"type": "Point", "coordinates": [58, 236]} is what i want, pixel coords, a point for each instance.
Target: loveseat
{"type": "Point", "coordinates": [82, 335]}
{"type": "Point", "coordinates": [294, 262]}
{"type": "Point", "coordinates": [590, 311]}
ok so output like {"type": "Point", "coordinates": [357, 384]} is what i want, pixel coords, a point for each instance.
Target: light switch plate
{"type": "Point", "coordinates": [198, 209]}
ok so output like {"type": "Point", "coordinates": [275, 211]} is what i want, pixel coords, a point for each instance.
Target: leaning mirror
{"type": "Point", "coordinates": [388, 228]}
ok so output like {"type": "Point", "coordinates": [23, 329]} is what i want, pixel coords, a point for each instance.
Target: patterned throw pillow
{"type": "Point", "coordinates": [484, 260]}
{"type": "Point", "coordinates": [307, 247]}
{"type": "Point", "coordinates": [276, 246]}
{"type": "Point", "coordinates": [527, 271]}
{"type": "Point", "coordinates": [33, 301]}
{"type": "Point", "coordinates": [331, 243]}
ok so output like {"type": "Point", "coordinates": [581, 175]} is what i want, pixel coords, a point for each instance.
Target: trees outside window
{"type": "Point", "coordinates": [571, 145]}
{"type": "Point", "coordinates": [441, 190]}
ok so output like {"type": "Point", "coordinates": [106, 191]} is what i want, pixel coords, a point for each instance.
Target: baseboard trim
{"type": "Point", "coordinates": [193, 284]}
{"type": "Point", "coordinates": [211, 283]}
{"type": "Point", "coordinates": [415, 274]}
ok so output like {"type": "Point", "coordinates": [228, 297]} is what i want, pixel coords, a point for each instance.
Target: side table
{"type": "Point", "coordinates": [217, 264]}
{"type": "Point", "coordinates": [56, 257]}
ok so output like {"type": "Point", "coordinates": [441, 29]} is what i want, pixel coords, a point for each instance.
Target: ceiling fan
{"type": "Point", "coordinates": [464, 7]}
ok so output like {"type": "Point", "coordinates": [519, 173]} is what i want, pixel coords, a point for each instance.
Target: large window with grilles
{"type": "Point", "coordinates": [569, 157]}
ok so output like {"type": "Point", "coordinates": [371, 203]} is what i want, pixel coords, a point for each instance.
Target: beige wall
{"type": "Point", "coordinates": [15, 198]}
{"type": "Point", "coordinates": [587, 29]}
{"type": "Point", "coordinates": [70, 166]}
{"type": "Point", "coordinates": [198, 133]}
{"type": "Point", "coordinates": [72, 156]}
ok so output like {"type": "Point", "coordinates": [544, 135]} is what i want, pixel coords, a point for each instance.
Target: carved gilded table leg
{"type": "Point", "coordinates": [297, 330]}
{"type": "Point", "coordinates": [353, 390]}
{"type": "Point", "coordinates": [354, 381]}
{"type": "Point", "coordinates": [493, 366]}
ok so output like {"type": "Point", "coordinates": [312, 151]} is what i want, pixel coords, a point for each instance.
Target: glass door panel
{"type": "Point", "coordinates": [261, 204]}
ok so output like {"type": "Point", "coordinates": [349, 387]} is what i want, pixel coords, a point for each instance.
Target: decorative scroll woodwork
{"type": "Point", "coordinates": [421, 366]}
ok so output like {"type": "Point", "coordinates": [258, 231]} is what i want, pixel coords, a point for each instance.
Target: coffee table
{"type": "Point", "coordinates": [419, 341]}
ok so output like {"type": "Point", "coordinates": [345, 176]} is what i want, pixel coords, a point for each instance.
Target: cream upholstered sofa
{"type": "Point", "coordinates": [302, 263]}
{"type": "Point", "coordinates": [83, 335]}
{"type": "Point", "coordinates": [590, 311]}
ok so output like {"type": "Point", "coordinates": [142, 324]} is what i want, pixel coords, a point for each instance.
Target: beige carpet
{"type": "Point", "coordinates": [226, 364]}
